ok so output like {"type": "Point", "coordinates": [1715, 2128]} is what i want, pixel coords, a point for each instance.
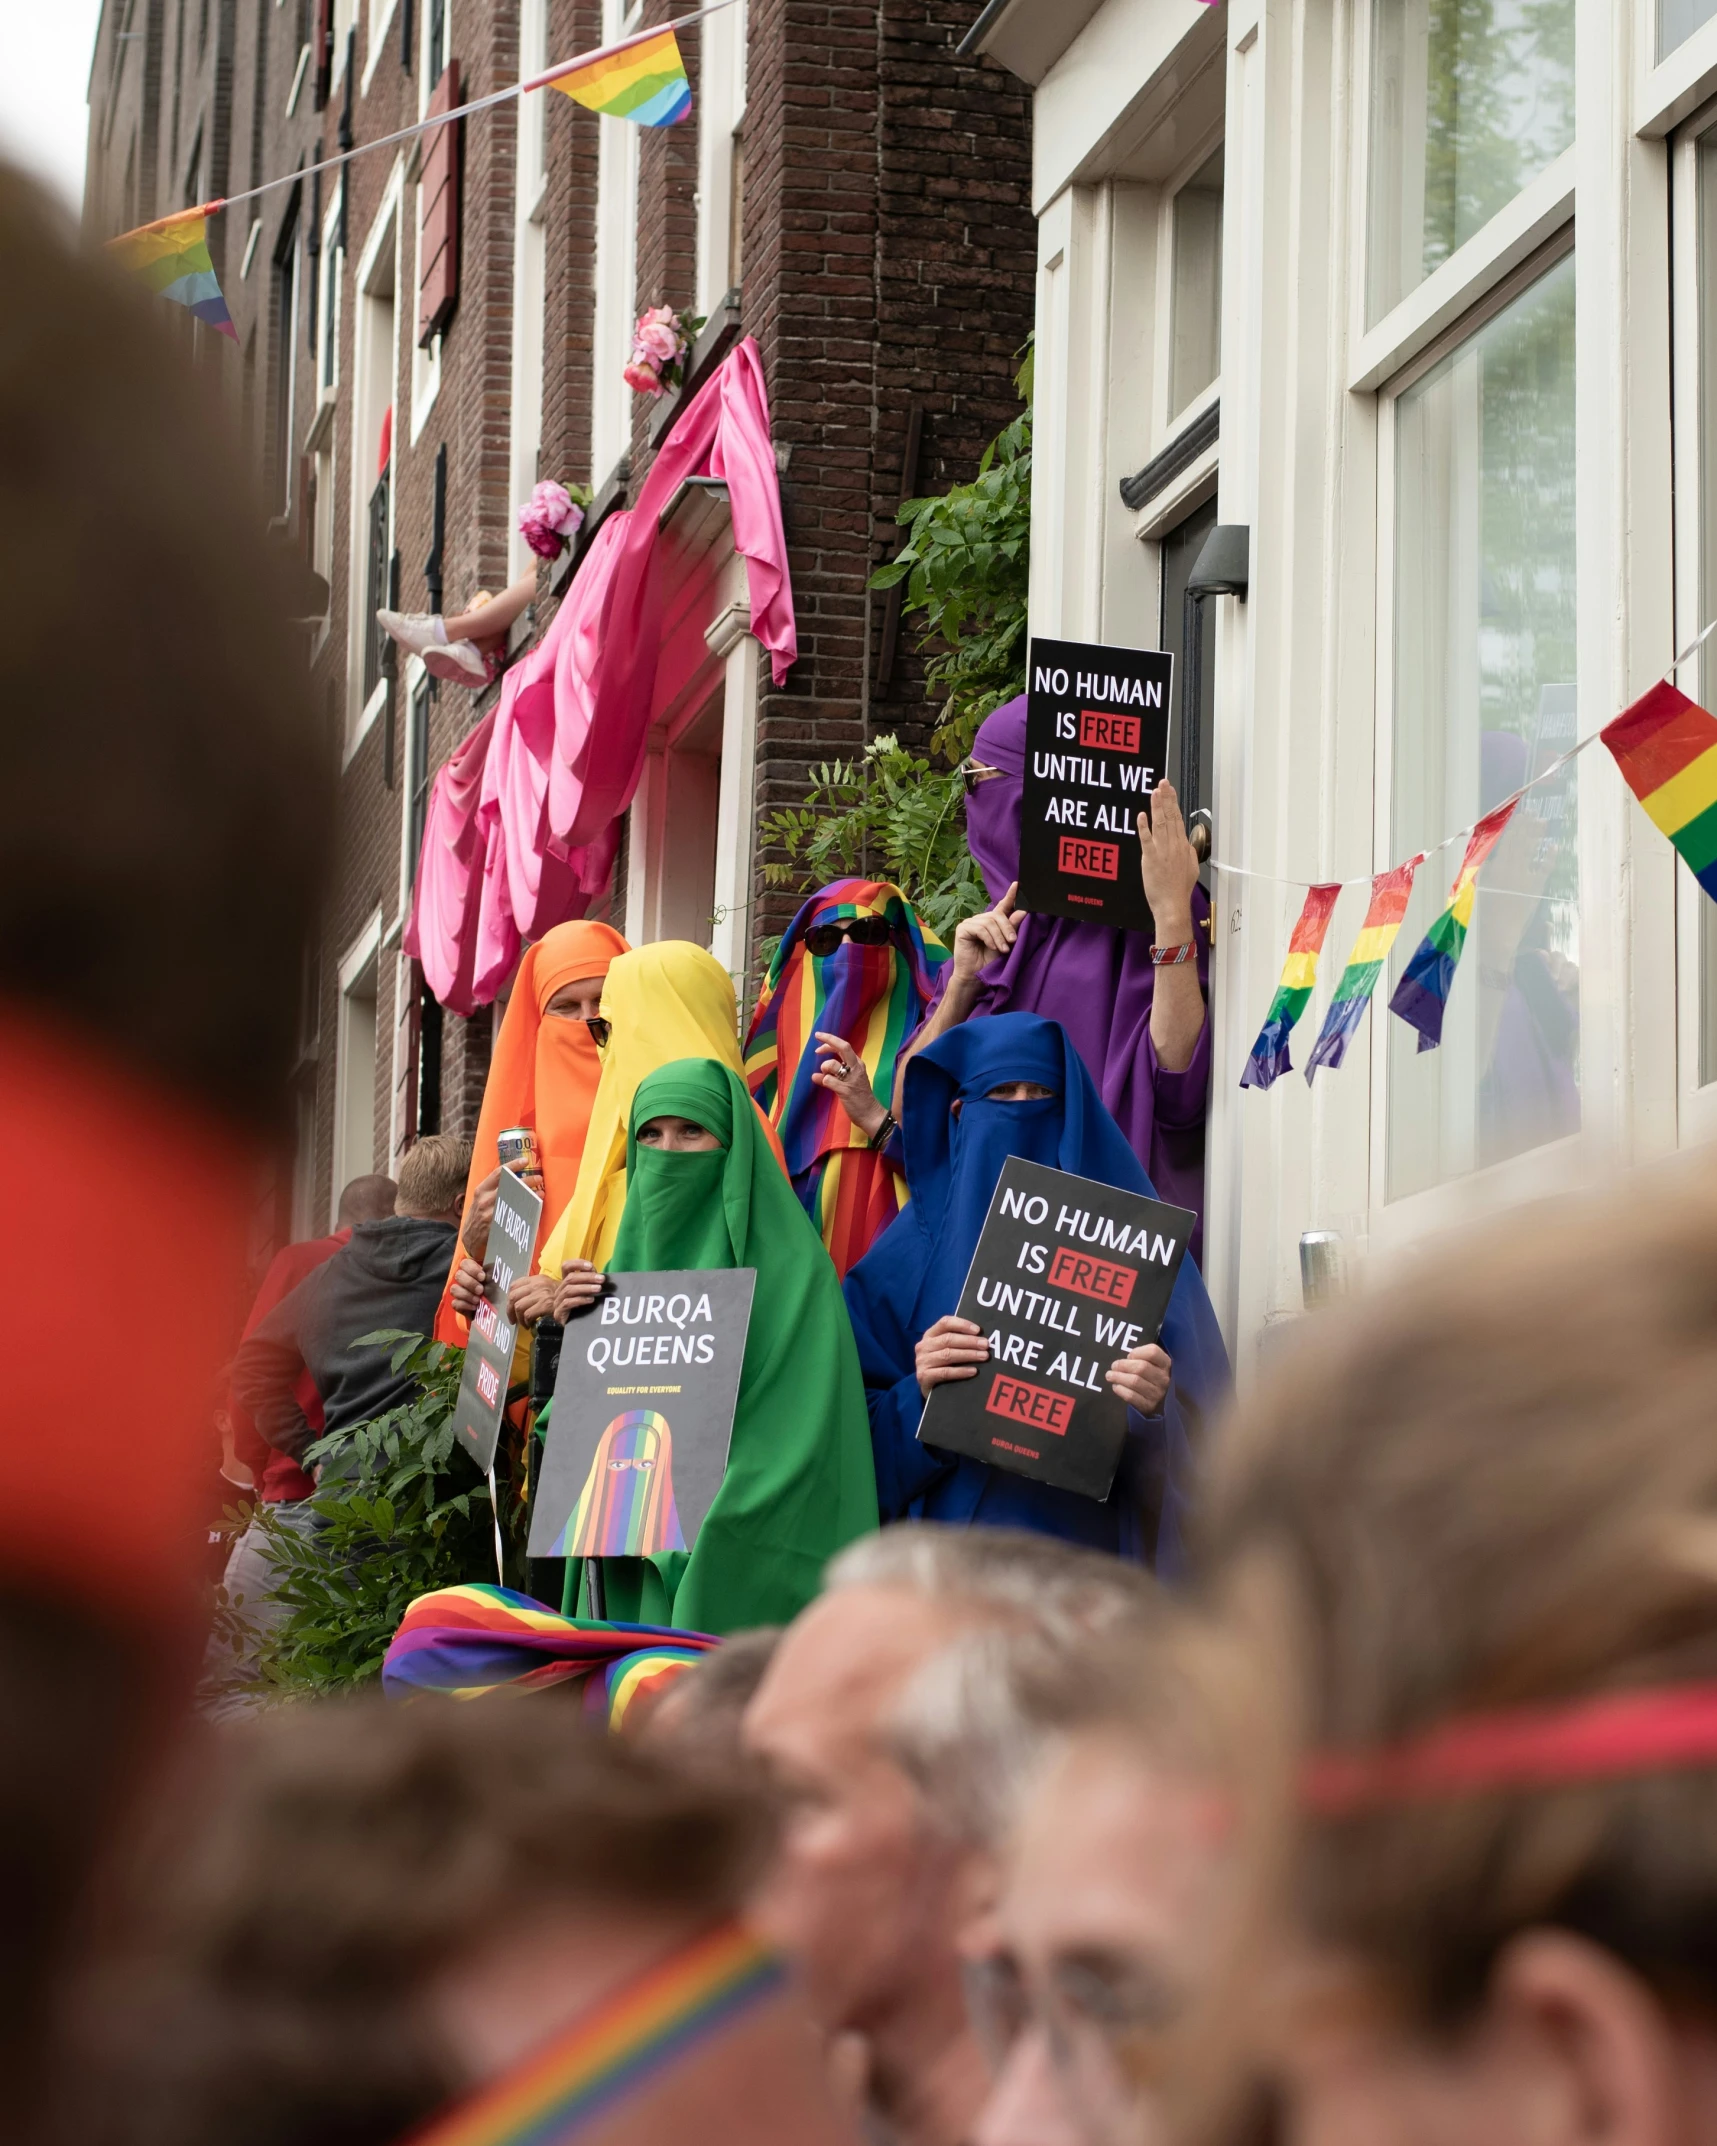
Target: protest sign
{"type": "Point", "coordinates": [643, 1414]}
{"type": "Point", "coordinates": [1067, 1276]}
{"type": "Point", "coordinates": [1096, 745]}
{"type": "Point", "coordinates": [489, 1352]}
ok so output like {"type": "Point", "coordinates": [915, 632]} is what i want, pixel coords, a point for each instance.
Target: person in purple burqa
{"type": "Point", "coordinates": [1142, 1028]}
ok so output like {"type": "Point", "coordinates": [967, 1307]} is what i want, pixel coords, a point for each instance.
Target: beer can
{"type": "Point", "coordinates": [517, 1147]}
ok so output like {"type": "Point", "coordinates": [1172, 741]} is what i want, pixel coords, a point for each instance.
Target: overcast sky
{"type": "Point", "coordinates": [44, 85]}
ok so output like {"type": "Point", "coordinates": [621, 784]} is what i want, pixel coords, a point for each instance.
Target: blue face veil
{"type": "Point", "coordinates": [915, 1271]}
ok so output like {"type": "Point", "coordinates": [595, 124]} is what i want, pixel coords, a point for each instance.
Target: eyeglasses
{"type": "Point", "coordinates": [1086, 2012]}
{"type": "Point", "coordinates": [973, 772]}
{"type": "Point", "coordinates": [600, 1030]}
{"type": "Point", "coordinates": [862, 931]}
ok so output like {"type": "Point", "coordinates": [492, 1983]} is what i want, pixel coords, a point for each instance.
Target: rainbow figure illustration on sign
{"type": "Point", "coordinates": [626, 1508]}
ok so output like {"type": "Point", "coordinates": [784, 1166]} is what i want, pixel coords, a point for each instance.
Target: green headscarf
{"type": "Point", "coordinates": [799, 1481]}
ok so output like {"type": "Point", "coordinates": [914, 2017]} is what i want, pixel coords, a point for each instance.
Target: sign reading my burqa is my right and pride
{"type": "Point", "coordinates": [1096, 746]}
{"type": "Point", "coordinates": [482, 1397]}
{"type": "Point", "coordinates": [1068, 1274]}
{"type": "Point", "coordinates": [643, 1414]}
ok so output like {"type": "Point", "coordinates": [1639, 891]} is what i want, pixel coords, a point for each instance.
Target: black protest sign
{"type": "Point", "coordinates": [489, 1352]}
{"type": "Point", "coordinates": [1068, 1275]}
{"type": "Point", "coordinates": [643, 1415]}
{"type": "Point", "coordinates": [1096, 746]}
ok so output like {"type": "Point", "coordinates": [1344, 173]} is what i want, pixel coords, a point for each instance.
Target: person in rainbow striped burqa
{"type": "Point", "coordinates": [848, 985]}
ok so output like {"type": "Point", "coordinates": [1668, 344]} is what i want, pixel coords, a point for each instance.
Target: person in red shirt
{"type": "Point", "coordinates": [230, 1669]}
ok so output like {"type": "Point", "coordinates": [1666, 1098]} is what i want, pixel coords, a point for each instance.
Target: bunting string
{"type": "Point", "coordinates": [1665, 746]}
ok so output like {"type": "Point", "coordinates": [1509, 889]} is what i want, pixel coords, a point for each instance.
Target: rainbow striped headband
{"type": "Point", "coordinates": [619, 2046]}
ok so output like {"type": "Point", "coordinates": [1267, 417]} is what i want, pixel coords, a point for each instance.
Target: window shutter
{"type": "Point", "coordinates": [322, 52]}
{"type": "Point", "coordinates": [438, 203]}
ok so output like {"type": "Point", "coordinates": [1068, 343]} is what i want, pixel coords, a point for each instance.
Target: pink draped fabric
{"type": "Point", "coordinates": [441, 931]}
{"type": "Point", "coordinates": [524, 820]}
{"type": "Point", "coordinates": [723, 432]}
{"type": "Point", "coordinates": [530, 881]}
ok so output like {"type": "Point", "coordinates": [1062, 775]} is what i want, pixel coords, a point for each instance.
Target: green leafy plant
{"type": "Point", "coordinates": [402, 1511]}
{"type": "Point", "coordinates": [889, 814]}
{"type": "Point", "coordinates": [966, 564]}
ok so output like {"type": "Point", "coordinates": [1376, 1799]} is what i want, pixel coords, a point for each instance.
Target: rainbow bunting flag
{"type": "Point", "coordinates": [1389, 892]}
{"type": "Point", "coordinates": [1269, 1059]}
{"type": "Point", "coordinates": [1423, 992]}
{"type": "Point", "coordinates": [619, 2046]}
{"type": "Point", "coordinates": [645, 81]}
{"type": "Point", "coordinates": [172, 257]}
{"type": "Point", "coordinates": [1666, 748]}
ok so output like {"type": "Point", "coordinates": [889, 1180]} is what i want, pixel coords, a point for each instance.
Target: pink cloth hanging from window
{"type": "Point", "coordinates": [529, 881]}
{"type": "Point", "coordinates": [723, 432]}
{"type": "Point", "coordinates": [524, 820]}
{"type": "Point", "coordinates": [441, 932]}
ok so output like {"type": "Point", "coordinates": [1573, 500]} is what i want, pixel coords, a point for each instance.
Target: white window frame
{"type": "Point", "coordinates": [343, 18]}
{"type": "Point", "coordinates": [385, 229]}
{"type": "Point", "coordinates": [379, 16]}
{"type": "Point", "coordinates": [1169, 422]}
{"type": "Point", "coordinates": [721, 113]}
{"type": "Point", "coordinates": [530, 277]}
{"type": "Point", "coordinates": [364, 953]}
{"type": "Point", "coordinates": [616, 271]}
{"type": "Point", "coordinates": [1538, 1172]}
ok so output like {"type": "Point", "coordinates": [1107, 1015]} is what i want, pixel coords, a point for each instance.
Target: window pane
{"type": "Point", "coordinates": [1196, 317]}
{"type": "Point", "coordinates": [1483, 700]}
{"type": "Point", "coordinates": [1470, 99]}
{"type": "Point", "coordinates": [1707, 556]}
{"type": "Point", "coordinates": [1678, 19]}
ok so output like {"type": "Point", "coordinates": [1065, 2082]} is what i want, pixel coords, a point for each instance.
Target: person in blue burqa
{"type": "Point", "coordinates": [1014, 1085]}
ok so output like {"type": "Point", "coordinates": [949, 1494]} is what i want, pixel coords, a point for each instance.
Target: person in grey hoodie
{"type": "Point", "coordinates": [389, 1277]}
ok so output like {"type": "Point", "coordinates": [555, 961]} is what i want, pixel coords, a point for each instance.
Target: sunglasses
{"type": "Point", "coordinates": [600, 1030]}
{"type": "Point", "coordinates": [973, 772]}
{"type": "Point", "coordinates": [862, 931]}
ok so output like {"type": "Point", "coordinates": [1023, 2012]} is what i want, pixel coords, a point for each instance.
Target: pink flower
{"type": "Point", "coordinates": [656, 342]}
{"type": "Point", "coordinates": [549, 519]}
{"type": "Point", "coordinates": [644, 378]}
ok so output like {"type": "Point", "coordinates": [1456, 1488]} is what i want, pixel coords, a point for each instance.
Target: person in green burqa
{"type": "Point", "coordinates": [704, 1190]}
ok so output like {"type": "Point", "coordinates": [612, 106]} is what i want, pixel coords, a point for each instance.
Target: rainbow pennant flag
{"type": "Point", "coordinates": [172, 257]}
{"type": "Point", "coordinates": [621, 2045]}
{"type": "Point", "coordinates": [1423, 992]}
{"type": "Point", "coordinates": [645, 81]}
{"type": "Point", "coordinates": [1389, 892]}
{"type": "Point", "coordinates": [1666, 748]}
{"type": "Point", "coordinates": [1269, 1059]}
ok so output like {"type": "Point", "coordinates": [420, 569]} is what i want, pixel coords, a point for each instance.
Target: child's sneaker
{"type": "Point", "coordinates": [421, 634]}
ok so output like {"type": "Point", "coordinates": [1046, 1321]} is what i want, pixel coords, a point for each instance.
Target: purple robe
{"type": "Point", "coordinates": [1096, 981]}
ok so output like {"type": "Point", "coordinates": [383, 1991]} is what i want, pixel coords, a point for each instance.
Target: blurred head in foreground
{"type": "Point", "coordinates": [165, 829]}
{"type": "Point", "coordinates": [1483, 1510]}
{"type": "Point", "coordinates": [371, 1912]}
{"type": "Point", "coordinates": [1118, 1877]}
{"type": "Point", "coordinates": [887, 1857]}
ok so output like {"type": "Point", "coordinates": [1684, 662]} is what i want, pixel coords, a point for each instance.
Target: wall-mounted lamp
{"type": "Point", "coordinates": [1221, 569]}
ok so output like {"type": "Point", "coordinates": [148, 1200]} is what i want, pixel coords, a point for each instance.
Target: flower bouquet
{"type": "Point", "coordinates": [553, 516]}
{"type": "Point", "coordinates": [660, 342]}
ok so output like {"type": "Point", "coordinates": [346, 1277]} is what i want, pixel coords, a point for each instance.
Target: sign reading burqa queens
{"type": "Point", "coordinates": [1068, 1275]}
{"type": "Point", "coordinates": [1096, 745]}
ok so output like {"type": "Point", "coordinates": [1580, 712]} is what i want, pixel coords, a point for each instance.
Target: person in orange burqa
{"type": "Point", "coordinates": [543, 1074]}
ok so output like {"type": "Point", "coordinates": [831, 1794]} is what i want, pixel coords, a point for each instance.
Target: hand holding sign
{"type": "Point", "coordinates": [952, 1349]}
{"type": "Point", "coordinates": [1142, 1378]}
{"type": "Point", "coordinates": [579, 1287]}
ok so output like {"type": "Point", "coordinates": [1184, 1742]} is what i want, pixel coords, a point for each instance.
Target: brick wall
{"type": "Point", "coordinates": [889, 258]}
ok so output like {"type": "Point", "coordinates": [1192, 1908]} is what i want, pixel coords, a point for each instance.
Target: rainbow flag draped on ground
{"type": "Point", "coordinates": [1423, 992]}
{"type": "Point", "coordinates": [1269, 1059]}
{"type": "Point", "coordinates": [172, 258]}
{"type": "Point", "coordinates": [618, 2047]}
{"type": "Point", "coordinates": [1666, 748]}
{"type": "Point", "coordinates": [645, 81]}
{"type": "Point", "coordinates": [1389, 892]}
{"type": "Point", "coordinates": [874, 997]}
{"type": "Point", "coordinates": [468, 1641]}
